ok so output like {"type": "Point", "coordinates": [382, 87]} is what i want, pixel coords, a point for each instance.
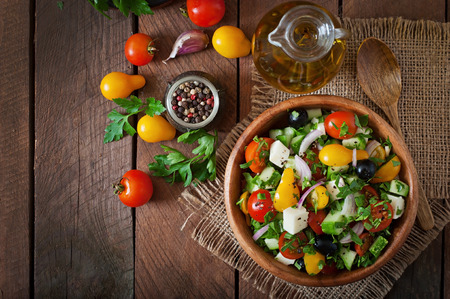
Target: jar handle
{"type": "Point", "coordinates": [342, 33]}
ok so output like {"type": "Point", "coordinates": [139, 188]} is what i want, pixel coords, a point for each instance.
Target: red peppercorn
{"type": "Point", "coordinates": [193, 96]}
{"type": "Point", "coordinates": [212, 104]}
{"type": "Point", "coordinates": [209, 101]}
{"type": "Point", "coordinates": [190, 115]}
{"type": "Point", "coordinates": [174, 107]}
{"type": "Point", "coordinates": [212, 97]}
{"type": "Point", "coordinates": [179, 98]}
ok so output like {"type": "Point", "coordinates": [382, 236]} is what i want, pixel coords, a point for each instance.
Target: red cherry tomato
{"type": "Point", "coordinates": [205, 13]}
{"type": "Point", "coordinates": [329, 269]}
{"type": "Point", "coordinates": [135, 188]}
{"type": "Point", "coordinates": [315, 221]}
{"type": "Point", "coordinates": [367, 240]}
{"type": "Point", "coordinates": [258, 152]}
{"type": "Point", "coordinates": [317, 175]}
{"type": "Point", "coordinates": [259, 204]}
{"type": "Point", "coordinates": [369, 192]}
{"type": "Point", "coordinates": [295, 249]}
{"type": "Point", "coordinates": [139, 49]}
{"type": "Point", "coordinates": [334, 124]}
{"type": "Point", "coordinates": [382, 213]}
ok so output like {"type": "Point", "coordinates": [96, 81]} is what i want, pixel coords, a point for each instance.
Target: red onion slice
{"type": "Point", "coordinates": [349, 208]}
{"type": "Point", "coordinates": [357, 228]}
{"type": "Point", "coordinates": [310, 138]}
{"type": "Point", "coordinates": [354, 161]}
{"type": "Point", "coordinates": [302, 199]}
{"type": "Point", "coordinates": [371, 146]}
{"type": "Point", "coordinates": [302, 169]}
{"type": "Point", "coordinates": [260, 232]}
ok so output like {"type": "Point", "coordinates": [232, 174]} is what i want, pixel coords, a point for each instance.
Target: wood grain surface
{"type": "Point", "coordinates": [15, 148]}
{"type": "Point", "coordinates": [83, 233]}
{"type": "Point", "coordinates": [62, 231]}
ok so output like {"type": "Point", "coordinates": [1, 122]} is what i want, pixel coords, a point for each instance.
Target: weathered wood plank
{"type": "Point", "coordinates": [408, 9]}
{"type": "Point", "coordinates": [15, 198]}
{"type": "Point", "coordinates": [83, 233]}
{"type": "Point", "coordinates": [169, 263]}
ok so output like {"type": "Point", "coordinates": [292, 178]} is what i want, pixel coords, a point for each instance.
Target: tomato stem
{"type": "Point", "coordinates": [118, 188]}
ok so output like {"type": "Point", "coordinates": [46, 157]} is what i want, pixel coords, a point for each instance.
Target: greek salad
{"type": "Point", "coordinates": [321, 193]}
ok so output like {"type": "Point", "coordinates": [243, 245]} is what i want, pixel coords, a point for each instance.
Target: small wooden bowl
{"type": "Point", "coordinates": [276, 117]}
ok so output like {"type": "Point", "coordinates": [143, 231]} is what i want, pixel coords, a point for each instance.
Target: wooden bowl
{"type": "Point", "coordinates": [276, 117]}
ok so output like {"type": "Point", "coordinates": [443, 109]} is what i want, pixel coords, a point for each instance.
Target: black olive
{"type": "Point", "coordinates": [324, 244]}
{"type": "Point", "coordinates": [300, 264]}
{"type": "Point", "coordinates": [365, 169]}
{"type": "Point", "coordinates": [298, 118]}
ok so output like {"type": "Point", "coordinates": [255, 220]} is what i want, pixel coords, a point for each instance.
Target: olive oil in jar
{"type": "Point", "coordinates": [298, 47]}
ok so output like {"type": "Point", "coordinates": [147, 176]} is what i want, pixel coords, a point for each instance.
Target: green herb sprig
{"type": "Point", "coordinates": [132, 106]}
{"type": "Point", "coordinates": [138, 7]}
{"type": "Point", "coordinates": [176, 167]}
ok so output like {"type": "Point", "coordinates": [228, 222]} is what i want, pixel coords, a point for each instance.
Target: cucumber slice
{"type": "Point", "coordinates": [296, 142]}
{"type": "Point", "coordinates": [270, 177]}
{"type": "Point", "coordinates": [399, 188]}
{"type": "Point", "coordinates": [272, 244]}
{"type": "Point", "coordinates": [348, 257]}
{"type": "Point", "coordinates": [274, 133]}
{"type": "Point", "coordinates": [333, 224]}
{"type": "Point", "coordinates": [289, 132]}
{"type": "Point", "coordinates": [290, 163]}
{"type": "Point", "coordinates": [336, 170]}
{"type": "Point", "coordinates": [378, 246]}
{"type": "Point", "coordinates": [316, 112]}
{"type": "Point", "coordinates": [357, 142]}
{"type": "Point", "coordinates": [349, 179]}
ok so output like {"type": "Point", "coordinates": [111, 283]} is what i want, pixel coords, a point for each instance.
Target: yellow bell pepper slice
{"type": "Point", "coordinates": [287, 193]}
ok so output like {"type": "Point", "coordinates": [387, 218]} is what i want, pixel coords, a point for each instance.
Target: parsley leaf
{"type": "Point", "coordinates": [176, 167]}
{"type": "Point", "coordinates": [132, 106]}
{"type": "Point", "coordinates": [60, 5]}
{"type": "Point", "coordinates": [361, 121]}
{"type": "Point", "coordinates": [138, 7]}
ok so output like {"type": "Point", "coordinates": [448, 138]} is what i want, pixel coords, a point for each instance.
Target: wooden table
{"type": "Point", "coordinates": [62, 230]}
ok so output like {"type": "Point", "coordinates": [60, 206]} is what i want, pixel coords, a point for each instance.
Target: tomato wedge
{"type": "Point", "coordinates": [367, 240]}
{"type": "Point", "coordinates": [315, 221]}
{"type": "Point", "coordinates": [293, 248]}
{"type": "Point", "coordinates": [381, 216]}
{"type": "Point", "coordinates": [258, 152]}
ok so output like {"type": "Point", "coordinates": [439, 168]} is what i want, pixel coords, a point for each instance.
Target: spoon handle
{"type": "Point", "coordinates": [392, 114]}
{"type": "Point", "coordinates": [424, 214]}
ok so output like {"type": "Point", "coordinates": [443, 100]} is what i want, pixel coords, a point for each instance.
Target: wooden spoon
{"type": "Point", "coordinates": [380, 77]}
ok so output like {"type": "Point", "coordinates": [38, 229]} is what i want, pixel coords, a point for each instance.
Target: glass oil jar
{"type": "Point", "coordinates": [298, 47]}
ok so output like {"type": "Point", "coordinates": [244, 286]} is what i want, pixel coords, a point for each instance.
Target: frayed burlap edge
{"type": "Point", "coordinates": [214, 233]}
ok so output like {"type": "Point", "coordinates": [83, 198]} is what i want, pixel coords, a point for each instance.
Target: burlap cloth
{"type": "Point", "coordinates": [423, 51]}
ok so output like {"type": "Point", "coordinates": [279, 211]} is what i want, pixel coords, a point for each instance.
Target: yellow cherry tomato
{"type": "Point", "coordinates": [155, 129]}
{"type": "Point", "coordinates": [388, 171]}
{"type": "Point", "coordinates": [231, 42]}
{"type": "Point", "coordinates": [338, 155]}
{"type": "Point", "coordinates": [319, 198]}
{"type": "Point", "coordinates": [287, 193]}
{"type": "Point", "coordinates": [378, 153]}
{"type": "Point", "coordinates": [244, 208]}
{"type": "Point", "coordinates": [314, 262]}
{"type": "Point", "coordinates": [119, 85]}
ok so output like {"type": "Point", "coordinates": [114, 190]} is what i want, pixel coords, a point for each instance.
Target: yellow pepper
{"type": "Point", "coordinates": [287, 193]}
{"type": "Point", "coordinates": [388, 171]}
{"type": "Point", "coordinates": [313, 262]}
{"type": "Point", "coordinates": [231, 42]}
